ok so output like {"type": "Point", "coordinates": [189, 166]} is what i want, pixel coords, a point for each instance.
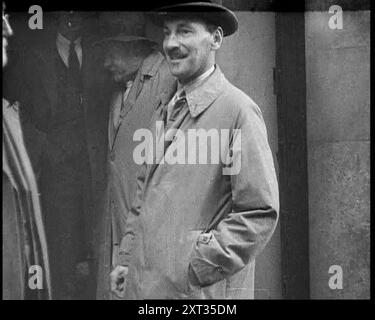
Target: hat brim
{"type": "Point", "coordinates": [123, 39]}
{"type": "Point", "coordinates": [210, 12]}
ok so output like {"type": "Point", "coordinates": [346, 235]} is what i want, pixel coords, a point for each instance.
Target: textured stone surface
{"type": "Point", "coordinates": [247, 59]}
{"type": "Point", "coordinates": [355, 31]}
{"type": "Point", "coordinates": [338, 77]}
{"type": "Point", "coordinates": [338, 131]}
{"type": "Point", "coordinates": [339, 203]}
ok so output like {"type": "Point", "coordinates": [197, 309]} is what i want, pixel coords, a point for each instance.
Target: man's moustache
{"type": "Point", "coordinates": [175, 54]}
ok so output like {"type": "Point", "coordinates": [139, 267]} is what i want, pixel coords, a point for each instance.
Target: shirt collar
{"type": "Point", "coordinates": [196, 82]}
{"type": "Point", "coordinates": [208, 89]}
{"type": "Point", "coordinates": [61, 40]}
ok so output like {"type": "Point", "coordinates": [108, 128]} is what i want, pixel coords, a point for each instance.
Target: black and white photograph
{"type": "Point", "coordinates": [186, 150]}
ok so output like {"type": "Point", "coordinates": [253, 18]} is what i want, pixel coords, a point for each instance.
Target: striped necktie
{"type": "Point", "coordinates": [175, 106]}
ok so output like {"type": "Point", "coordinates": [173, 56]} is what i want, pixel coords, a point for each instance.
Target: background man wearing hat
{"type": "Point", "coordinates": [141, 74]}
{"type": "Point", "coordinates": [193, 232]}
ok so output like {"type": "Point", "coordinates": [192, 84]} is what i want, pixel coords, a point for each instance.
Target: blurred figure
{"type": "Point", "coordinates": [141, 75]}
{"type": "Point", "coordinates": [7, 32]}
{"type": "Point", "coordinates": [58, 108]}
{"type": "Point", "coordinates": [24, 243]}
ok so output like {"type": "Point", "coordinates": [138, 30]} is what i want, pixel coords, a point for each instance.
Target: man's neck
{"type": "Point", "coordinates": [196, 80]}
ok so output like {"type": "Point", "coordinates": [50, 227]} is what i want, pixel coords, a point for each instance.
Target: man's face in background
{"type": "Point", "coordinates": [70, 24]}
{"type": "Point", "coordinates": [122, 61]}
{"type": "Point", "coordinates": [7, 32]}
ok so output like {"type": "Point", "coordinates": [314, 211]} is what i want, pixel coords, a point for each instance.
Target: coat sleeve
{"type": "Point", "coordinates": [243, 233]}
{"type": "Point", "coordinates": [126, 245]}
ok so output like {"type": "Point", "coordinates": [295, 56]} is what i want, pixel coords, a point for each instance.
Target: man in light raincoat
{"type": "Point", "coordinates": [197, 224]}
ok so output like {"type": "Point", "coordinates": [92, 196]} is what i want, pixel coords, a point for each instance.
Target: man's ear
{"type": "Point", "coordinates": [217, 38]}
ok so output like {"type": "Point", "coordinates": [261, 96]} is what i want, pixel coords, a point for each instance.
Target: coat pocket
{"type": "Point", "coordinates": [174, 262]}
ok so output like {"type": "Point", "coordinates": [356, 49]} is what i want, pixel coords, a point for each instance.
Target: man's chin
{"type": "Point", "coordinates": [176, 70]}
{"type": "Point", "coordinates": [176, 64]}
{"type": "Point", "coordinates": [181, 76]}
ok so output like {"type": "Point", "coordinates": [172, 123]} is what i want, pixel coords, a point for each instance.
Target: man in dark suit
{"type": "Point", "coordinates": [64, 118]}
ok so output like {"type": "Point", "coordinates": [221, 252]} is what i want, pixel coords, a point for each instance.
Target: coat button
{"type": "Point", "coordinates": [220, 270]}
{"type": "Point", "coordinates": [205, 237]}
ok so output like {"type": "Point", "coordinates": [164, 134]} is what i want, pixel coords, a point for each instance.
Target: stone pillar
{"type": "Point", "coordinates": [247, 59]}
{"type": "Point", "coordinates": [338, 139]}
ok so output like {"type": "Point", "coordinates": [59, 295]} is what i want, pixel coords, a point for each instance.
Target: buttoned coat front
{"type": "Point", "coordinates": [194, 229]}
{"type": "Point", "coordinates": [151, 80]}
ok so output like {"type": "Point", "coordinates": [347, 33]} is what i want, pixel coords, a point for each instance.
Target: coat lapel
{"type": "Point", "coordinates": [112, 130]}
{"type": "Point", "coordinates": [110, 125]}
{"type": "Point", "coordinates": [128, 104]}
{"type": "Point", "coordinates": [165, 97]}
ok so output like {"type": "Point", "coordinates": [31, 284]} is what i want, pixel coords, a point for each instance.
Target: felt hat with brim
{"type": "Point", "coordinates": [124, 38]}
{"type": "Point", "coordinates": [205, 10]}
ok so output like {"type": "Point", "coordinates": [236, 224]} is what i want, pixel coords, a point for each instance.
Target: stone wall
{"type": "Point", "coordinates": [338, 138]}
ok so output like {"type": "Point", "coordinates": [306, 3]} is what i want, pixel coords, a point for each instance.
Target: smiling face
{"type": "Point", "coordinates": [190, 47]}
{"type": "Point", "coordinates": [123, 61]}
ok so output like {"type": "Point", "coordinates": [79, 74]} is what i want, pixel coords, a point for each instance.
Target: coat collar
{"type": "Point", "coordinates": [168, 93]}
{"type": "Point", "coordinates": [148, 69]}
{"type": "Point", "coordinates": [151, 64]}
{"type": "Point", "coordinates": [61, 40]}
{"type": "Point", "coordinates": [202, 97]}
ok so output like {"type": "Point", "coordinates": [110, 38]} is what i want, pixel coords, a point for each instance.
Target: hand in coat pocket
{"type": "Point", "coordinates": [118, 280]}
